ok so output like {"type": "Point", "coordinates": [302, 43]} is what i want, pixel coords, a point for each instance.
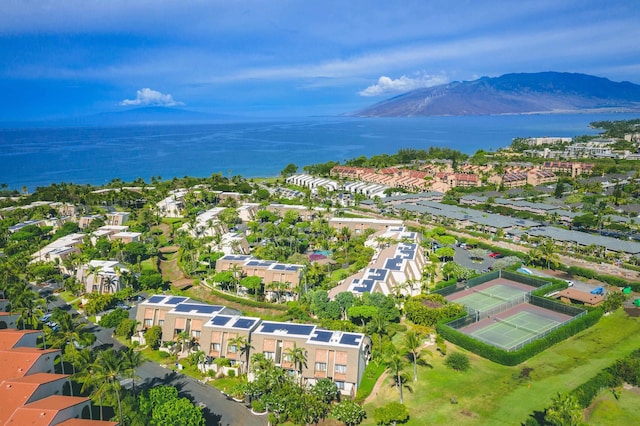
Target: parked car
{"type": "Point", "coordinates": [123, 306]}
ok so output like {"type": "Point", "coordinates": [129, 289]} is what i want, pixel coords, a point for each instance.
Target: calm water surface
{"type": "Point", "coordinates": [39, 157]}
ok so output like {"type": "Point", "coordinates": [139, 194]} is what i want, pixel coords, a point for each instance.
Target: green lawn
{"type": "Point", "coordinates": [606, 410]}
{"type": "Point", "coordinates": [491, 394]}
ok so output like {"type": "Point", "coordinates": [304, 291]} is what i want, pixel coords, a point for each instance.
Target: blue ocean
{"type": "Point", "coordinates": [95, 155]}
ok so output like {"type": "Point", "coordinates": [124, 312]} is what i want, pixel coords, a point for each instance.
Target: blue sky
{"type": "Point", "coordinates": [271, 57]}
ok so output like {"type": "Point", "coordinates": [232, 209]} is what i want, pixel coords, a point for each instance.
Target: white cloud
{"type": "Point", "coordinates": [147, 96]}
{"type": "Point", "coordinates": [387, 85]}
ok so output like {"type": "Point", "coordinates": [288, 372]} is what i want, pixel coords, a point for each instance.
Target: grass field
{"type": "Point", "coordinates": [491, 394]}
{"type": "Point", "coordinates": [606, 410]}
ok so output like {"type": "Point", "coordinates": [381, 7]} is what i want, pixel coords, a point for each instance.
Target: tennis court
{"type": "Point", "coordinates": [487, 298]}
{"type": "Point", "coordinates": [510, 332]}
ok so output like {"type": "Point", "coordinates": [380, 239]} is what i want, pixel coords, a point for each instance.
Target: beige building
{"type": "Point", "coordinates": [339, 356]}
{"type": "Point", "coordinates": [270, 272]}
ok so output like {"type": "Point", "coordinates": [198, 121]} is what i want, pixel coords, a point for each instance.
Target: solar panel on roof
{"type": "Point", "coordinates": [393, 264]}
{"type": "Point", "coordinates": [156, 299]}
{"type": "Point", "coordinates": [175, 300]}
{"type": "Point", "coordinates": [253, 263]}
{"type": "Point", "coordinates": [220, 320]}
{"type": "Point", "coordinates": [244, 323]}
{"type": "Point", "coordinates": [292, 268]}
{"type": "Point", "coordinates": [287, 328]}
{"type": "Point", "coordinates": [322, 336]}
{"type": "Point", "coordinates": [350, 339]}
{"type": "Point", "coordinates": [201, 309]}
{"type": "Point", "coordinates": [279, 267]}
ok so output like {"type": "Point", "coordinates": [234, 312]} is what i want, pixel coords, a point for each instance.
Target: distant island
{"type": "Point", "coordinates": [523, 93]}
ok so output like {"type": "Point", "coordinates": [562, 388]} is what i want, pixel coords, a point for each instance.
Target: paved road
{"type": "Point", "coordinates": [217, 408]}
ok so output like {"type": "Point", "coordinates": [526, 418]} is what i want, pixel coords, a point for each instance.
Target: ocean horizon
{"type": "Point", "coordinates": [34, 157]}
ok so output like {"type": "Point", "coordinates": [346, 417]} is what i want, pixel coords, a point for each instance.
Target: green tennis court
{"type": "Point", "coordinates": [507, 333]}
{"type": "Point", "coordinates": [490, 297]}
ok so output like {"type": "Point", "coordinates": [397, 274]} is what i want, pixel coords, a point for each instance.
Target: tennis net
{"type": "Point", "coordinates": [491, 295]}
{"type": "Point", "coordinates": [514, 325]}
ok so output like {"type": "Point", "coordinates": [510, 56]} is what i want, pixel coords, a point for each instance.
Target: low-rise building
{"type": "Point", "coordinates": [101, 276]}
{"type": "Point", "coordinates": [217, 330]}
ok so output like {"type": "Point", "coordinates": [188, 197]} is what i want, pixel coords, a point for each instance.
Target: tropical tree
{"type": "Point", "coordinates": [108, 369]}
{"type": "Point", "coordinates": [69, 335]}
{"type": "Point", "coordinates": [298, 357]}
{"type": "Point", "coordinates": [244, 348]}
{"type": "Point", "coordinates": [396, 364]}
{"type": "Point", "coordinates": [413, 343]}
{"type": "Point", "coordinates": [131, 359]}
{"type": "Point", "coordinates": [564, 411]}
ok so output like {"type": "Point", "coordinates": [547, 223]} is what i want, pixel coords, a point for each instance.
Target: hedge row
{"type": "Point", "coordinates": [556, 285]}
{"type": "Point", "coordinates": [611, 377]}
{"type": "Point", "coordinates": [248, 302]}
{"type": "Point", "coordinates": [516, 357]}
{"type": "Point", "coordinates": [609, 279]}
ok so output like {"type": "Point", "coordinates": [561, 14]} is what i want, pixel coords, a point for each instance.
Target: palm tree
{"type": "Point", "coordinates": [396, 365]}
{"type": "Point", "coordinates": [30, 306]}
{"type": "Point", "coordinates": [68, 335]}
{"type": "Point", "coordinates": [413, 345]}
{"type": "Point", "coordinates": [132, 360]}
{"type": "Point", "coordinates": [109, 283]}
{"type": "Point", "coordinates": [92, 270]}
{"type": "Point", "coordinates": [298, 357]}
{"type": "Point", "coordinates": [109, 366]}
{"type": "Point", "coordinates": [244, 349]}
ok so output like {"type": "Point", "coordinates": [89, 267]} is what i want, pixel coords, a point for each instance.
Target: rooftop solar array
{"type": "Point", "coordinates": [407, 251]}
{"type": "Point", "coordinates": [245, 323]}
{"type": "Point", "coordinates": [286, 328]}
{"type": "Point", "coordinates": [156, 299]}
{"type": "Point", "coordinates": [236, 257]}
{"type": "Point", "coordinates": [197, 308]}
{"type": "Point", "coordinates": [362, 286]}
{"type": "Point", "coordinates": [322, 336]}
{"type": "Point", "coordinates": [351, 339]}
{"type": "Point", "coordinates": [175, 300]}
{"type": "Point", "coordinates": [394, 264]}
{"type": "Point", "coordinates": [220, 320]}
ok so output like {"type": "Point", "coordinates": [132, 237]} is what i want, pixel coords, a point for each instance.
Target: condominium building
{"type": "Point", "coordinates": [336, 355]}
{"type": "Point", "coordinates": [269, 271]}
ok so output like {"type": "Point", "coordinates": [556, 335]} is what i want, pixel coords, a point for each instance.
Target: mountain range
{"type": "Point", "coordinates": [518, 93]}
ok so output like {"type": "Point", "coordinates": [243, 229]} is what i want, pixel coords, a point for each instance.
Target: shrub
{"type": "Point", "coordinates": [153, 336]}
{"type": "Point", "coordinates": [458, 361]}
{"type": "Point", "coordinates": [126, 328]}
{"type": "Point", "coordinates": [258, 406]}
{"type": "Point", "coordinates": [114, 318]}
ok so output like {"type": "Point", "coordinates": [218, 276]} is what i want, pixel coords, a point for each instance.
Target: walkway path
{"type": "Point", "coordinates": [376, 387]}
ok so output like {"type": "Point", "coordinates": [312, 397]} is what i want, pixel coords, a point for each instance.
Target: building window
{"type": "Point", "coordinates": [286, 358]}
{"type": "Point", "coordinates": [341, 369]}
{"type": "Point", "coordinates": [321, 366]}
{"type": "Point", "coordinates": [270, 355]}
{"type": "Point", "coordinates": [148, 323]}
{"type": "Point", "coordinates": [215, 347]}
{"type": "Point", "coordinates": [195, 334]}
{"type": "Point", "coordinates": [232, 349]}
{"type": "Point", "coordinates": [160, 322]}
{"type": "Point", "coordinates": [340, 385]}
